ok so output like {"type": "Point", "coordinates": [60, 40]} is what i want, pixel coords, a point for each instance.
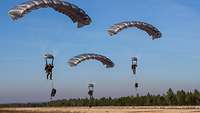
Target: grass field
{"type": "Point", "coordinates": [142, 109]}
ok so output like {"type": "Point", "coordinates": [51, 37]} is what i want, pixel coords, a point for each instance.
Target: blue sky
{"type": "Point", "coordinates": [172, 61]}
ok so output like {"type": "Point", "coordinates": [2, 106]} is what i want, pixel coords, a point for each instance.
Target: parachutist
{"type": "Point", "coordinates": [49, 65]}
{"type": "Point", "coordinates": [134, 64]}
{"type": "Point", "coordinates": [134, 68]}
{"type": "Point", "coordinates": [91, 90]}
{"type": "Point", "coordinates": [90, 93]}
{"type": "Point", "coordinates": [48, 69]}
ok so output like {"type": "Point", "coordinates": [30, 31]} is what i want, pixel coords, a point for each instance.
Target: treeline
{"type": "Point", "coordinates": [170, 98]}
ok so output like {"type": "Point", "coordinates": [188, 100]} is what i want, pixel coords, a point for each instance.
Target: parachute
{"type": "Point", "coordinates": [74, 12]}
{"type": "Point", "coordinates": [90, 85]}
{"type": "Point", "coordinates": [48, 56]}
{"type": "Point", "coordinates": [151, 30]}
{"type": "Point", "coordinates": [82, 57]}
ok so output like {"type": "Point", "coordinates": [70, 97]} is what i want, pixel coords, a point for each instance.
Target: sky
{"type": "Point", "coordinates": [169, 62]}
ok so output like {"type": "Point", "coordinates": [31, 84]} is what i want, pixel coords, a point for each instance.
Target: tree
{"type": "Point", "coordinates": [170, 97]}
{"type": "Point", "coordinates": [180, 96]}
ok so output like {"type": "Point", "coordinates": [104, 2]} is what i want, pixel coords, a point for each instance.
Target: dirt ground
{"type": "Point", "coordinates": [131, 109]}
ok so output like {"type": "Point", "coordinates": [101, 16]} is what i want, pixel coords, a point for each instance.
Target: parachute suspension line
{"type": "Point", "coordinates": [52, 61]}
{"type": "Point", "coordinates": [52, 87]}
{"type": "Point", "coordinates": [52, 84]}
{"type": "Point", "coordinates": [52, 81]}
{"type": "Point", "coordinates": [134, 84]}
{"type": "Point", "coordinates": [53, 90]}
{"type": "Point", "coordinates": [46, 61]}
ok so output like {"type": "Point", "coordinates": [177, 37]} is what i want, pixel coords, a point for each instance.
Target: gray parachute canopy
{"type": "Point", "coordinates": [90, 85]}
{"type": "Point", "coordinates": [91, 56]}
{"type": "Point", "coordinates": [151, 30]}
{"type": "Point", "coordinates": [74, 12]}
{"type": "Point", "coordinates": [48, 56]}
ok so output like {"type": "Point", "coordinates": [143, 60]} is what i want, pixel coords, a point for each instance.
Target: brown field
{"type": "Point", "coordinates": [131, 109]}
